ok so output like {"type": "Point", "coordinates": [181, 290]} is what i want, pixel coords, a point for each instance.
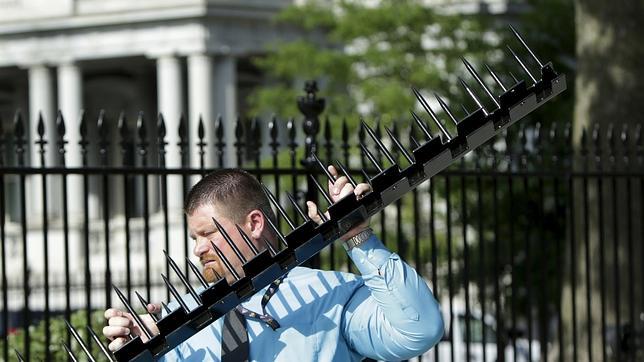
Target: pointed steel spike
{"type": "Point", "coordinates": [270, 247]}
{"type": "Point", "coordinates": [496, 78]}
{"type": "Point", "coordinates": [98, 342]}
{"type": "Point", "coordinates": [516, 33]}
{"type": "Point", "coordinates": [166, 308]}
{"type": "Point", "coordinates": [41, 125]}
{"type": "Point", "coordinates": [321, 189]}
{"type": "Point", "coordinates": [145, 303]}
{"type": "Point", "coordinates": [229, 241]}
{"type": "Point", "coordinates": [174, 292]}
{"type": "Point", "coordinates": [366, 176]}
{"type": "Point", "coordinates": [421, 125]}
{"type": "Point", "coordinates": [623, 136]}
{"type": "Point", "coordinates": [140, 126]}
{"type": "Point", "coordinates": [445, 108]}
{"type": "Point", "coordinates": [247, 240]}
{"type": "Point", "coordinates": [279, 207]}
{"type": "Point", "coordinates": [414, 142]}
{"type": "Point", "coordinates": [514, 78]}
{"type": "Point", "coordinates": [373, 160]}
{"type": "Point", "coordinates": [322, 217]}
{"type": "Point", "coordinates": [433, 116]}
{"type": "Point", "coordinates": [161, 131]}
{"type": "Point", "coordinates": [379, 143]}
{"type": "Point", "coordinates": [399, 146]}
{"type": "Point", "coordinates": [79, 340]}
{"type": "Point", "coordinates": [197, 273]}
{"type": "Point", "coordinates": [523, 66]}
{"type": "Point", "coordinates": [473, 96]}
{"type": "Point", "coordinates": [297, 207]}
{"type": "Point", "coordinates": [346, 173]}
{"type": "Point", "coordinates": [131, 310]}
{"type": "Point", "coordinates": [275, 229]}
{"type": "Point", "coordinates": [225, 260]}
{"type": "Point", "coordinates": [182, 278]}
{"type": "Point", "coordinates": [322, 167]}
{"type": "Point", "coordinates": [201, 130]}
{"type": "Point", "coordinates": [478, 79]}
{"type": "Point", "coordinates": [60, 123]}
{"type": "Point", "coordinates": [70, 354]}
{"type": "Point", "coordinates": [18, 355]}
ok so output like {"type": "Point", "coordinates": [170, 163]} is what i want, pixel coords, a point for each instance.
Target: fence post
{"type": "Point", "coordinates": [311, 107]}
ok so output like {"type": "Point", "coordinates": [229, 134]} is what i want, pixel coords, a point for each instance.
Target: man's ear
{"type": "Point", "coordinates": [255, 222]}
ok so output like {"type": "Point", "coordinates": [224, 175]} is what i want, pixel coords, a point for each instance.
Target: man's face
{"type": "Point", "coordinates": [203, 230]}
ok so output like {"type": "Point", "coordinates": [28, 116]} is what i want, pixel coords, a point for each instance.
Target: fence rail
{"type": "Point", "coordinates": [529, 243]}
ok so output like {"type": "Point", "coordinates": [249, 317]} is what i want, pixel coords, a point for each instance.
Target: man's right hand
{"type": "Point", "coordinates": [120, 324]}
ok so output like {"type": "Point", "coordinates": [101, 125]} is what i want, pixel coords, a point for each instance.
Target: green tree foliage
{"type": "Point", "coordinates": [370, 55]}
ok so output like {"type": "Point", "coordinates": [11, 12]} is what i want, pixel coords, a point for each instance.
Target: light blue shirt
{"type": "Point", "coordinates": [387, 313]}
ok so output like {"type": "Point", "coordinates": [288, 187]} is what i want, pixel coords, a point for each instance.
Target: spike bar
{"type": "Point", "coordinates": [306, 240]}
{"type": "Point", "coordinates": [70, 354]}
{"type": "Point", "coordinates": [431, 113]}
{"type": "Point", "coordinates": [100, 345]}
{"type": "Point", "coordinates": [182, 278]}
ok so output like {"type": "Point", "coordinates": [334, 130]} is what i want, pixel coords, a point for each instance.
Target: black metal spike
{"type": "Point", "coordinates": [174, 293]}
{"type": "Point", "coordinates": [18, 355]}
{"type": "Point", "coordinates": [322, 167]}
{"type": "Point", "coordinates": [79, 340]}
{"type": "Point", "coordinates": [399, 146]}
{"type": "Point", "coordinates": [41, 126]}
{"type": "Point", "coordinates": [131, 310]}
{"type": "Point", "coordinates": [422, 126]}
{"type": "Point", "coordinates": [496, 78]}
{"type": "Point", "coordinates": [98, 342]}
{"type": "Point", "coordinates": [623, 137]}
{"type": "Point", "coordinates": [297, 207]}
{"type": "Point", "coordinates": [275, 229]}
{"type": "Point", "coordinates": [514, 78]}
{"type": "Point", "coordinates": [516, 33]}
{"type": "Point", "coordinates": [225, 260]}
{"type": "Point", "coordinates": [379, 143]}
{"type": "Point", "coordinates": [60, 124]}
{"type": "Point", "coordinates": [165, 307]}
{"type": "Point", "coordinates": [145, 303]}
{"type": "Point", "coordinates": [270, 247]}
{"type": "Point", "coordinates": [414, 142]}
{"type": "Point", "coordinates": [279, 207]}
{"type": "Point", "coordinates": [247, 240]}
{"type": "Point", "coordinates": [369, 155]}
{"type": "Point", "coordinates": [431, 113]}
{"type": "Point", "coordinates": [346, 173]}
{"type": "Point", "coordinates": [478, 79]}
{"type": "Point", "coordinates": [197, 273]}
{"type": "Point", "coordinates": [70, 354]}
{"type": "Point", "coordinates": [321, 189]}
{"type": "Point", "coordinates": [182, 277]}
{"type": "Point", "coordinates": [523, 66]}
{"type": "Point", "coordinates": [472, 95]}
{"type": "Point", "coordinates": [445, 108]}
{"type": "Point", "coordinates": [201, 129]}
{"type": "Point", "coordinates": [229, 241]}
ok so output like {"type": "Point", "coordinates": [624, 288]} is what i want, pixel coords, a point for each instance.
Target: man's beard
{"type": "Point", "coordinates": [211, 272]}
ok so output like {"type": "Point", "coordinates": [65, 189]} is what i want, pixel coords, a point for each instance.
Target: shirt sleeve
{"type": "Point", "coordinates": [394, 315]}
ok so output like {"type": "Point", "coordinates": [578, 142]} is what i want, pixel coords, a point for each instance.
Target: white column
{"type": "Point", "coordinates": [41, 101]}
{"type": "Point", "coordinates": [200, 104]}
{"type": "Point", "coordinates": [170, 104]}
{"type": "Point", "coordinates": [70, 104]}
{"type": "Point", "coordinates": [225, 84]}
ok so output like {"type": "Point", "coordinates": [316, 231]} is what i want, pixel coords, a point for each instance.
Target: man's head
{"type": "Point", "coordinates": [231, 196]}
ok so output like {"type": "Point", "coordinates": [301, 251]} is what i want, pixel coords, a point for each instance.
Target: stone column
{"type": "Point", "coordinates": [70, 103]}
{"type": "Point", "coordinates": [225, 85]}
{"type": "Point", "coordinates": [200, 104]}
{"type": "Point", "coordinates": [170, 104]}
{"type": "Point", "coordinates": [41, 101]}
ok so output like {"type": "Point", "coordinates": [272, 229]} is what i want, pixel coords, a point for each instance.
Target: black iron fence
{"type": "Point", "coordinates": [533, 250]}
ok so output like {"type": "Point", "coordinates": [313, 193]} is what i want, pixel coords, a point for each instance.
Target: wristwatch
{"type": "Point", "coordinates": [357, 239]}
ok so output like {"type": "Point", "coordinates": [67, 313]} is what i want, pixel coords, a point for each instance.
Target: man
{"type": "Point", "coordinates": [387, 313]}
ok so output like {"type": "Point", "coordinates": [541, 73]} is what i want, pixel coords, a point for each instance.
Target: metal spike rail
{"type": "Point", "coordinates": [391, 183]}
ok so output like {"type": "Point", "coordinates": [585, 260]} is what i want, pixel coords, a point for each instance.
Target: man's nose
{"type": "Point", "coordinates": [202, 246]}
